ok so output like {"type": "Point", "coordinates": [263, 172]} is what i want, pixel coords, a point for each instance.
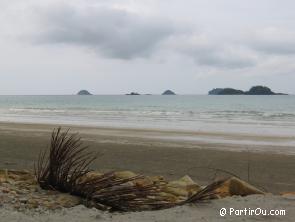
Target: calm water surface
{"type": "Point", "coordinates": [247, 114]}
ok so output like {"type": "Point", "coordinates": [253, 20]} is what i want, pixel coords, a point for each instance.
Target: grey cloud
{"type": "Point", "coordinates": [111, 32]}
{"type": "Point", "coordinates": [222, 60]}
{"type": "Point", "coordinates": [120, 34]}
{"type": "Point", "coordinates": [210, 53]}
{"type": "Point", "coordinates": [272, 41]}
{"type": "Point", "coordinates": [275, 48]}
{"type": "Point", "coordinates": [223, 57]}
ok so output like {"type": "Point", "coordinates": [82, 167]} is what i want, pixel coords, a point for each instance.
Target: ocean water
{"type": "Point", "coordinates": [239, 114]}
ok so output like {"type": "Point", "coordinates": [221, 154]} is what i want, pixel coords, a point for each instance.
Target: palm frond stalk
{"type": "Point", "coordinates": [207, 193]}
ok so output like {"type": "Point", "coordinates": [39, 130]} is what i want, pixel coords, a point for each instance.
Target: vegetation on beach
{"type": "Point", "coordinates": [66, 168]}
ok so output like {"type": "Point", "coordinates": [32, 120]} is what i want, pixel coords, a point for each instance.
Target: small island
{"type": "Point", "coordinates": [84, 93]}
{"type": "Point", "coordinates": [168, 93]}
{"type": "Point", "coordinates": [226, 91]}
{"type": "Point", "coordinates": [260, 90]}
{"type": "Point", "coordinates": [255, 90]}
{"type": "Point", "coordinates": [132, 94]}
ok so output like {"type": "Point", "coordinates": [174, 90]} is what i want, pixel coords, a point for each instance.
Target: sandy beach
{"type": "Point", "coordinates": [171, 154]}
{"type": "Point", "coordinates": [203, 212]}
{"type": "Point", "coordinates": [166, 153]}
{"type": "Point", "coordinates": [137, 111]}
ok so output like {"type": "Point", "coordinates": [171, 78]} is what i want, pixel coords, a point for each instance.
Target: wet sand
{"type": "Point", "coordinates": [169, 153]}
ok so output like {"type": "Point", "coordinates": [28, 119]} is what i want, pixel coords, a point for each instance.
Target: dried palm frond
{"type": "Point", "coordinates": [123, 194]}
{"type": "Point", "coordinates": [65, 169]}
{"type": "Point", "coordinates": [67, 161]}
{"type": "Point", "coordinates": [209, 192]}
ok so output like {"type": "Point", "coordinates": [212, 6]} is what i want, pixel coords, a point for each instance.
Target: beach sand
{"type": "Point", "coordinates": [204, 212]}
{"type": "Point", "coordinates": [154, 152]}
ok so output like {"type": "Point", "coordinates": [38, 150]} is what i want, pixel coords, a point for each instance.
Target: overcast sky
{"type": "Point", "coordinates": [118, 46]}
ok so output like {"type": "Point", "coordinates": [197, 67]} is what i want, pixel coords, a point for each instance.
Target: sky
{"type": "Point", "coordinates": [147, 46]}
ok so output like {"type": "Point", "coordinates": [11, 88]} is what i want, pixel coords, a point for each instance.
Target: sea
{"type": "Point", "coordinates": [271, 115]}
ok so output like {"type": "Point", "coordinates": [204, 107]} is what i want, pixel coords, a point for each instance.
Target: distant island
{"type": "Point", "coordinates": [255, 90]}
{"type": "Point", "coordinates": [84, 93]}
{"type": "Point", "coordinates": [168, 92]}
{"type": "Point", "coordinates": [133, 94]}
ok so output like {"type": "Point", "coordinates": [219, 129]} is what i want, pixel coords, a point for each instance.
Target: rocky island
{"type": "Point", "coordinates": [226, 91]}
{"type": "Point", "coordinates": [132, 94]}
{"type": "Point", "coordinates": [260, 90]}
{"type": "Point", "coordinates": [255, 90]}
{"type": "Point", "coordinates": [168, 92]}
{"type": "Point", "coordinates": [84, 93]}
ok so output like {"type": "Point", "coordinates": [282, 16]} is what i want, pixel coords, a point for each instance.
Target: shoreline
{"type": "Point", "coordinates": [140, 151]}
{"type": "Point", "coordinates": [193, 137]}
